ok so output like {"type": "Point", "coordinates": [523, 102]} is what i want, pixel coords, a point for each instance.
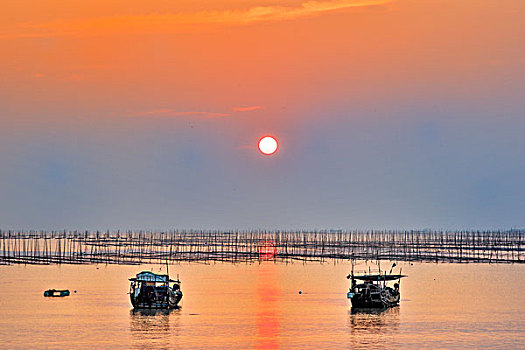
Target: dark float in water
{"type": "Point", "coordinates": [152, 291]}
{"type": "Point", "coordinates": [56, 293]}
{"type": "Point", "coordinates": [374, 291]}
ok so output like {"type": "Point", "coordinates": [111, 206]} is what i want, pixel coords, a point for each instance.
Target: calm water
{"type": "Point", "coordinates": [258, 307]}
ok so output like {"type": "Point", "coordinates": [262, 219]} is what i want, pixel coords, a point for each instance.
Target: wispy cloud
{"type": "Point", "coordinates": [246, 147]}
{"type": "Point", "coordinates": [166, 112]}
{"type": "Point", "coordinates": [169, 22]}
{"type": "Point", "coordinates": [246, 109]}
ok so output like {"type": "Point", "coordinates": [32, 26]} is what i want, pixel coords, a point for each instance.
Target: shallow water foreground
{"type": "Point", "coordinates": [245, 306]}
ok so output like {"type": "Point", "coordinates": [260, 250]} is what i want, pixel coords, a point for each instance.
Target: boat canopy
{"type": "Point", "coordinates": [148, 276]}
{"type": "Point", "coordinates": [371, 278]}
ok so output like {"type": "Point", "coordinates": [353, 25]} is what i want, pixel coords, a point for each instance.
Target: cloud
{"type": "Point", "coordinates": [171, 22]}
{"type": "Point", "coordinates": [246, 109]}
{"type": "Point", "coordinates": [166, 112]}
{"type": "Point", "coordinates": [246, 147]}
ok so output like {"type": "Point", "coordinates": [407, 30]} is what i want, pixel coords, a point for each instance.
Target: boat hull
{"type": "Point", "coordinates": [158, 302]}
{"type": "Point", "coordinates": [367, 302]}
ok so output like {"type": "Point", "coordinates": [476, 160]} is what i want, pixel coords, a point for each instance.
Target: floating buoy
{"type": "Point", "coordinates": [56, 293]}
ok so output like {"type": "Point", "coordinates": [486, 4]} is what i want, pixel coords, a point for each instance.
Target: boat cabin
{"type": "Point", "coordinates": [374, 292]}
{"type": "Point", "coordinates": [151, 290]}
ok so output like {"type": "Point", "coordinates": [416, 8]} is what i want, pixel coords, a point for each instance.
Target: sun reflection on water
{"type": "Point", "coordinates": [267, 306]}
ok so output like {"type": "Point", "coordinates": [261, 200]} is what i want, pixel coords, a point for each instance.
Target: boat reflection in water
{"type": "Point", "coordinates": [153, 328]}
{"type": "Point", "coordinates": [375, 328]}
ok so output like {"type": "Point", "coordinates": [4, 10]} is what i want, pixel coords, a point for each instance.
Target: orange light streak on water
{"type": "Point", "coordinates": [267, 306]}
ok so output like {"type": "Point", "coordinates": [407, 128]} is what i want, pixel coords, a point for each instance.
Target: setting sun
{"type": "Point", "coordinates": [268, 145]}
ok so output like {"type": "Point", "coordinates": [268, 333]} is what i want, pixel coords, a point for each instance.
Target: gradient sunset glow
{"type": "Point", "coordinates": [395, 114]}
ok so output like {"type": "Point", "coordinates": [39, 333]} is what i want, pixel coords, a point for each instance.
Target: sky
{"type": "Point", "coordinates": [401, 114]}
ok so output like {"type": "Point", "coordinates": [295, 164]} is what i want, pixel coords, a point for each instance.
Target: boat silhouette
{"type": "Point", "coordinates": [149, 290]}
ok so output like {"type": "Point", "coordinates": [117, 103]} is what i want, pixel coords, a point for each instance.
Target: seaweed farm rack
{"type": "Point", "coordinates": [138, 247]}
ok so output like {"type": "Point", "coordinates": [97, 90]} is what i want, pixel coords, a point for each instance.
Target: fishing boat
{"type": "Point", "coordinates": [149, 290]}
{"type": "Point", "coordinates": [374, 290]}
{"type": "Point", "coordinates": [56, 293]}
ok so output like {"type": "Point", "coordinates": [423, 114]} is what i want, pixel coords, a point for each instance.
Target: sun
{"type": "Point", "coordinates": [268, 145]}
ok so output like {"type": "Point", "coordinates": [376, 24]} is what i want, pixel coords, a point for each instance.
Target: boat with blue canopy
{"type": "Point", "coordinates": [149, 290]}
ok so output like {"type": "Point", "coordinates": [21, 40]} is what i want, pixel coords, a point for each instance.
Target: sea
{"type": "Point", "coordinates": [264, 305]}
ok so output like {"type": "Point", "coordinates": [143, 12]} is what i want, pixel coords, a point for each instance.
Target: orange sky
{"type": "Point", "coordinates": [221, 74]}
{"type": "Point", "coordinates": [222, 56]}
